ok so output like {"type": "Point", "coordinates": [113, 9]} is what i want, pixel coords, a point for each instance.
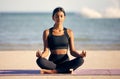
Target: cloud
{"type": "Point", "coordinates": [90, 13]}
{"type": "Point", "coordinates": [111, 12]}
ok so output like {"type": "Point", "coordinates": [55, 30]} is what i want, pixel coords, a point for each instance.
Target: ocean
{"type": "Point", "coordinates": [23, 31]}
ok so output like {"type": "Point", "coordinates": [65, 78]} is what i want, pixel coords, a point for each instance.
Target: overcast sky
{"type": "Point", "coordinates": [89, 8]}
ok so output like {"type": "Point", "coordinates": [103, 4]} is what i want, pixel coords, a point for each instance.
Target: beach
{"type": "Point", "coordinates": [26, 60]}
{"type": "Point", "coordinates": [21, 36]}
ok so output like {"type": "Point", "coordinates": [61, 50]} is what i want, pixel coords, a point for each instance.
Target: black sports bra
{"type": "Point", "coordinates": [58, 42]}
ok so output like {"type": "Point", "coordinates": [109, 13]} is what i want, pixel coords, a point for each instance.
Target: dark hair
{"type": "Point", "coordinates": [57, 10]}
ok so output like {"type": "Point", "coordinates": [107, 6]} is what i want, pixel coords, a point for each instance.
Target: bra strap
{"type": "Point", "coordinates": [50, 31]}
{"type": "Point", "coordinates": [65, 31]}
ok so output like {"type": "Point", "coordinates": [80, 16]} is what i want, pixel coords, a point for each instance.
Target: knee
{"type": "Point", "coordinates": [39, 61]}
{"type": "Point", "coordinates": [45, 64]}
{"type": "Point", "coordinates": [80, 60]}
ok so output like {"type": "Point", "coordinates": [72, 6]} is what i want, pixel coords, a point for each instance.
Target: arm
{"type": "Point", "coordinates": [73, 51]}
{"type": "Point", "coordinates": [45, 52]}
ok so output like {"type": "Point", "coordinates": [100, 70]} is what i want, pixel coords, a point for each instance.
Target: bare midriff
{"type": "Point", "coordinates": [59, 51]}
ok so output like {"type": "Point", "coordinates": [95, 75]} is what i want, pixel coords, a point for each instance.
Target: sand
{"type": "Point", "coordinates": [95, 59]}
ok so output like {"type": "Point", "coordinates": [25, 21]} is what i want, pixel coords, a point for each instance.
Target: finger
{"type": "Point", "coordinates": [37, 54]}
{"type": "Point", "coordinates": [84, 53]}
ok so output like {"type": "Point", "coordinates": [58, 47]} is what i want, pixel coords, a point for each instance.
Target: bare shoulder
{"type": "Point", "coordinates": [46, 32]}
{"type": "Point", "coordinates": [70, 32]}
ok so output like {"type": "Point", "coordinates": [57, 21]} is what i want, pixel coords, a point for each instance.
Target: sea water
{"type": "Point", "coordinates": [20, 31]}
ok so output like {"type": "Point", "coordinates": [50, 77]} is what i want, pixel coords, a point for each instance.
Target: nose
{"type": "Point", "coordinates": [59, 17]}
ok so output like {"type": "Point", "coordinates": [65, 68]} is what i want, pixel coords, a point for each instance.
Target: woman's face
{"type": "Point", "coordinates": [59, 17]}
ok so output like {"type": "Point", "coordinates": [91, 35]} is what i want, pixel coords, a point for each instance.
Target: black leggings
{"type": "Point", "coordinates": [61, 63]}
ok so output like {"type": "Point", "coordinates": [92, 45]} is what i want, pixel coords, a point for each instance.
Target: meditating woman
{"type": "Point", "coordinates": [58, 40]}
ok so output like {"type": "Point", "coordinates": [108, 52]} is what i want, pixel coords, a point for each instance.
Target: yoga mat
{"type": "Point", "coordinates": [81, 72]}
{"type": "Point", "coordinates": [19, 72]}
{"type": "Point", "coordinates": [98, 72]}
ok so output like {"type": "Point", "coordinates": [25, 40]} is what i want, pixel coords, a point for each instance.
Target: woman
{"type": "Point", "coordinates": [57, 39]}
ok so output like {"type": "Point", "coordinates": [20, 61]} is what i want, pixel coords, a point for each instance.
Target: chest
{"type": "Point", "coordinates": [58, 40]}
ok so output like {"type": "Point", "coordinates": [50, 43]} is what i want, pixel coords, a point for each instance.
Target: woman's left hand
{"type": "Point", "coordinates": [83, 54]}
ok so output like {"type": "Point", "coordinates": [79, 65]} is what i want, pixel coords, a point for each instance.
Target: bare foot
{"type": "Point", "coordinates": [71, 71]}
{"type": "Point", "coordinates": [46, 71]}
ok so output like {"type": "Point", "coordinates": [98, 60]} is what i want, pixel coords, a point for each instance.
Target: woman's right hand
{"type": "Point", "coordinates": [38, 53]}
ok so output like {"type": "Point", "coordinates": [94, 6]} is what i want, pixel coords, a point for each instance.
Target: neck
{"type": "Point", "coordinates": [56, 26]}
